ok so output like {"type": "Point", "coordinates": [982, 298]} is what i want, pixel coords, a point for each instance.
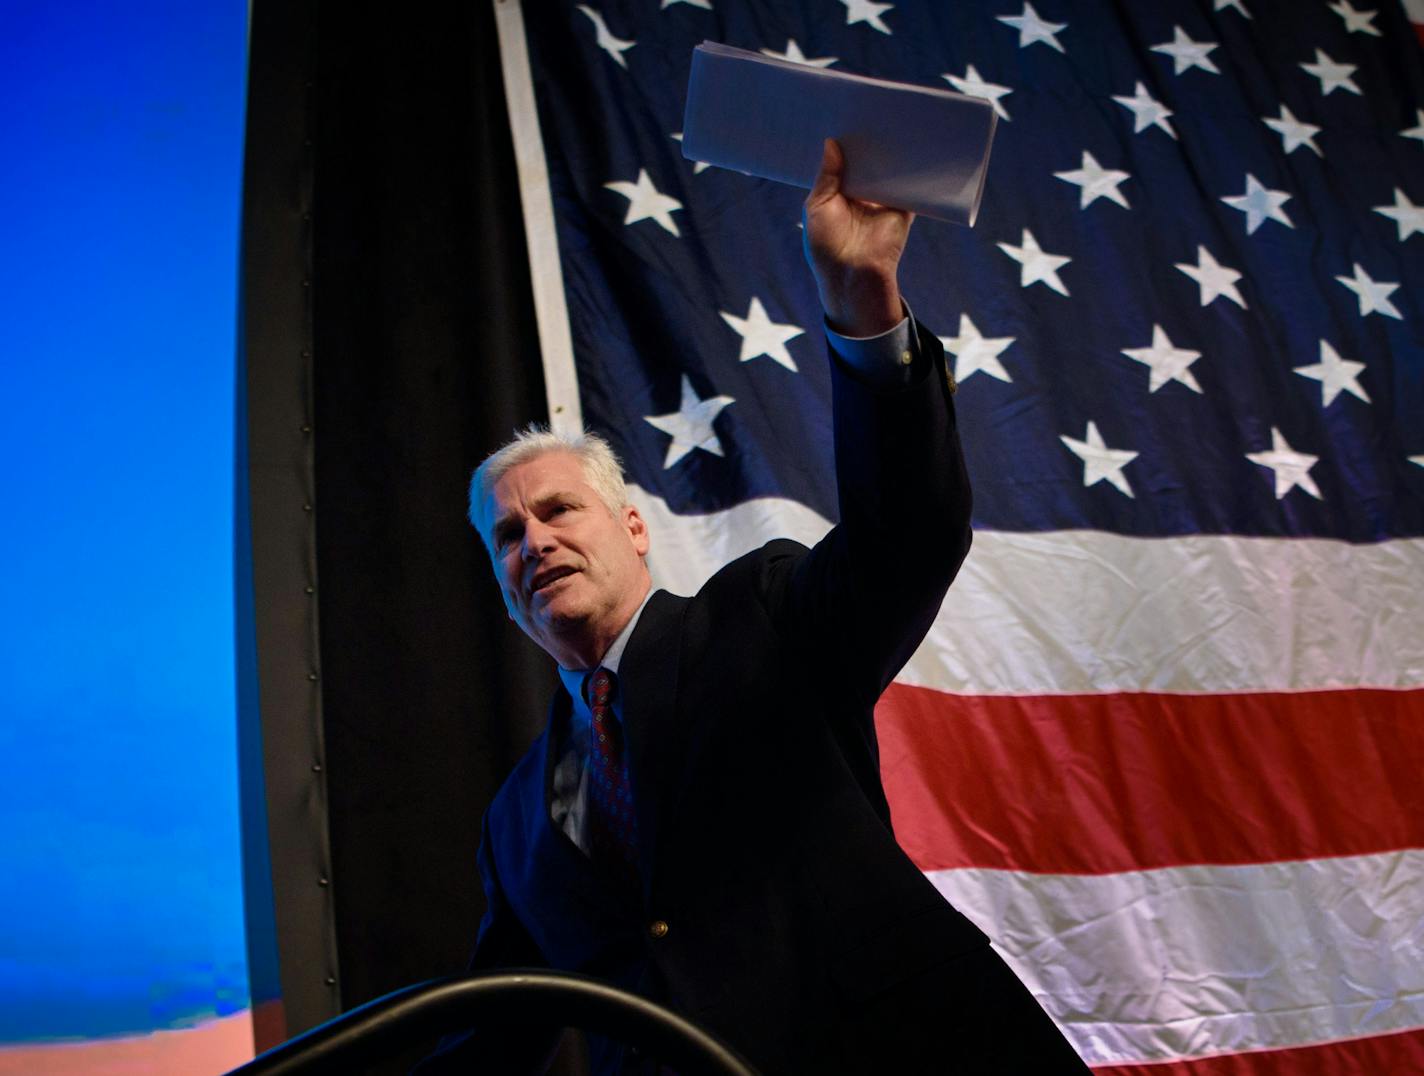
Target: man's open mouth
{"type": "Point", "coordinates": [544, 578]}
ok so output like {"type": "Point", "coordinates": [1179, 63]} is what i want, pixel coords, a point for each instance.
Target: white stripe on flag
{"type": "Point", "coordinates": [687, 550]}
{"type": "Point", "coordinates": [1074, 612]}
{"type": "Point", "coordinates": [1195, 961]}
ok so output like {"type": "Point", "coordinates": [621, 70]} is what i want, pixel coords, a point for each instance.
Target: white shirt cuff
{"type": "Point", "coordinates": [885, 359]}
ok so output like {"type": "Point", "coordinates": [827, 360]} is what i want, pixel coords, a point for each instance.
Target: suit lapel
{"type": "Point", "coordinates": [648, 674]}
{"type": "Point", "coordinates": [584, 880]}
{"type": "Point", "coordinates": [556, 733]}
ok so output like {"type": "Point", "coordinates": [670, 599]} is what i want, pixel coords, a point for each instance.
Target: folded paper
{"type": "Point", "coordinates": [914, 147]}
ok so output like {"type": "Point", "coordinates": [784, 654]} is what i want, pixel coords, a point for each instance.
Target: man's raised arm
{"type": "Point", "coordinates": [865, 596]}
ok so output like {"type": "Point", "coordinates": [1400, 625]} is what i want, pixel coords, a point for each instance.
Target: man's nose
{"type": "Point", "coordinates": [538, 539]}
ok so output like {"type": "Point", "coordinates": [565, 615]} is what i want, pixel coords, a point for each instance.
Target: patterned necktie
{"type": "Point", "coordinates": [612, 827]}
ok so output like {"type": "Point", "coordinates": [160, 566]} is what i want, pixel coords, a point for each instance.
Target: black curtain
{"type": "Point", "coordinates": [425, 357]}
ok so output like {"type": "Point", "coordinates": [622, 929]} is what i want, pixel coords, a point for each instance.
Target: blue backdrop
{"type": "Point", "coordinates": [120, 894]}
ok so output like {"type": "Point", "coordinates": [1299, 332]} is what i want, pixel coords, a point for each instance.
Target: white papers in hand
{"type": "Point", "coordinates": [913, 147]}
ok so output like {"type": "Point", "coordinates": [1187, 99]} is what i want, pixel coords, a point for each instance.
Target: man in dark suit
{"type": "Point", "coordinates": [703, 820]}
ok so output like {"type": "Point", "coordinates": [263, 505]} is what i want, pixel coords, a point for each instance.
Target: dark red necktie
{"type": "Point", "coordinates": [612, 827]}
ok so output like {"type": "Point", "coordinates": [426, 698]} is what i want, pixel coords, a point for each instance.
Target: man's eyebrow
{"type": "Point", "coordinates": [557, 497]}
{"type": "Point", "coordinates": [510, 519]}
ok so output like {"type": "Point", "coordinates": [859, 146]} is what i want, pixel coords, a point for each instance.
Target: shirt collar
{"type": "Point", "coordinates": [573, 678]}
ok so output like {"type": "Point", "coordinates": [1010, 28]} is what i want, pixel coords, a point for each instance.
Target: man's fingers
{"type": "Point", "coordinates": [828, 180]}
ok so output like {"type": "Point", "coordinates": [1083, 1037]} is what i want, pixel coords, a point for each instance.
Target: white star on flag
{"type": "Point", "coordinates": [1373, 294]}
{"type": "Point", "coordinates": [762, 336]}
{"type": "Point", "coordinates": [645, 202]}
{"type": "Point", "coordinates": [1291, 468]}
{"type": "Point", "coordinates": [866, 11]}
{"type": "Point", "coordinates": [1332, 76]}
{"type": "Point", "coordinates": [1099, 461]}
{"type": "Point", "coordinates": [698, 167]}
{"type": "Point", "coordinates": [1146, 111]}
{"type": "Point", "coordinates": [690, 426]}
{"type": "Point", "coordinates": [793, 54]}
{"type": "Point", "coordinates": [1095, 182]}
{"type": "Point", "coordinates": [1036, 266]}
{"type": "Point", "coordinates": [1336, 375]}
{"type": "Point", "coordinates": [1166, 362]}
{"type": "Point", "coordinates": [614, 46]}
{"type": "Point", "coordinates": [974, 86]}
{"type": "Point", "coordinates": [1293, 132]}
{"type": "Point", "coordinates": [1222, 5]}
{"type": "Point", "coordinates": [1406, 215]}
{"type": "Point", "coordinates": [1031, 28]}
{"type": "Point", "coordinates": [1213, 279]}
{"type": "Point", "coordinates": [976, 352]}
{"type": "Point", "coordinates": [1187, 53]}
{"type": "Point", "coordinates": [1260, 204]}
{"type": "Point", "coordinates": [1417, 131]}
{"type": "Point", "coordinates": [1356, 22]}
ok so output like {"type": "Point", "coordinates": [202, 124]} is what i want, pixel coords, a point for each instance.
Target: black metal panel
{"type": "Point", "coordinates": [279, 692]}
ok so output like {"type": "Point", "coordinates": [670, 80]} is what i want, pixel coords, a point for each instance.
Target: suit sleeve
{"type": "Point", "coordinates": [859, 603]}
{"type": "Point", "coordinates": [503, 943]}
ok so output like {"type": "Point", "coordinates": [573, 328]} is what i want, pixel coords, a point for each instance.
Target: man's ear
{"type": "Point", "coordinates": [637, 530]}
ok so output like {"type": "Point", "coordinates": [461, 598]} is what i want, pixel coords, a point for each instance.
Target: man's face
{"type": "Point", "coordinates": [571, 572]}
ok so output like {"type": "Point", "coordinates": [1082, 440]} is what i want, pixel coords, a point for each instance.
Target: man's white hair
{"type": "Point", "coordinates": [601, 469]}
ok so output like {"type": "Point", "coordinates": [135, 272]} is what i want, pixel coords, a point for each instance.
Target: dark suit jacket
{"type": "Point", "coordinates": [765, 837]}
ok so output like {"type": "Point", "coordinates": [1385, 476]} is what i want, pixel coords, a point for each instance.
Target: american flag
{"type": "Point", "coordinates": [1165, 742]}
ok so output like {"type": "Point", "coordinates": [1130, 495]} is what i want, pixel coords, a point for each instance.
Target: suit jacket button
{"type": "Point", "coordinates": [658, 929]}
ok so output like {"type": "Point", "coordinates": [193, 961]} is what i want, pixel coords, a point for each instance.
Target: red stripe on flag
{"type": "Point", "coordinates": [1379, 1055]}
{"type": "Point", "coordinates": [1088, 784]}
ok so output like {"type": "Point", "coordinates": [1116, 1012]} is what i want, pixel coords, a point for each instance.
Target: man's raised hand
{"type": "Point", "coordinates": [854, 250]}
